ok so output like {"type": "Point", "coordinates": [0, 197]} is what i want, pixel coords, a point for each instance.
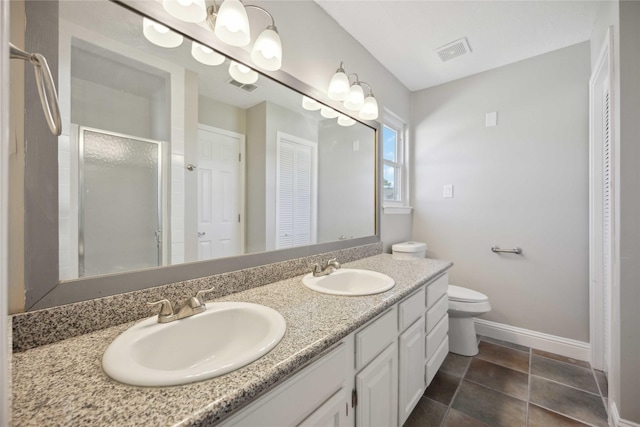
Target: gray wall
{"type": "Point", "coordinates": [214, 113]}
{"type": "Point", "coordinates": [523, 182]}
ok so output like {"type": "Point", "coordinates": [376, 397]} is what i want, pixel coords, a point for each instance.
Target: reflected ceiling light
{"type": "Point", "coordinates": [339, 85]}
{"type": "Point", "coordinates": [341, 89]}
{"type": "Point", "coordinates": [328, 113]}
{"type": "Point", "coordinates": [205, 54]}
{"type": "Point", "coordinates": [369, 110]}
{"type": "Point", "coordinates": [243, 74]}
{"type": "Point", "coordinates": [186, 10]}
{"type": "Point", "coordinates": [345, 120]}
{"type": "Point", "coordinates": [310, 104]}
{"type": "Point", "coordinates": [160, 35]}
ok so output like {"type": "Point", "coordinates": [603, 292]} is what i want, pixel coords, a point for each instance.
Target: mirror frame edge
{"type": "Point", "coordinates": [60, 293]}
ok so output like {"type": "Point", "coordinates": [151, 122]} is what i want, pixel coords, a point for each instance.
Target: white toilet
{"type": "Point", "coordinates": [464, 305]}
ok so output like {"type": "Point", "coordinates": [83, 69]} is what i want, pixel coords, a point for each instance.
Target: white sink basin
{"type": "Point", "coordinates": [227, 336]}
{"type": "Point", "coordinates": [349, 281]}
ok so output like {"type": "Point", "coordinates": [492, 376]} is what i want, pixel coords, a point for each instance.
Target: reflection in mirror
{"type": "Point", "coordinates": [178, 154]}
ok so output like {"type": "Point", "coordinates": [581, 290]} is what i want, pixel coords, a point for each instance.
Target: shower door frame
{"type": "Point", "coordinates": [161, 234]}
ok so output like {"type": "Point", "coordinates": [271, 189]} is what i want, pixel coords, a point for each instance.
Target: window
{"type": "Point", "coordinates": [395, 182]}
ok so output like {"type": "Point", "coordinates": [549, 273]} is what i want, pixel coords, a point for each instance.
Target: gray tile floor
{"type": "Point", "coordinates": [508, 385]}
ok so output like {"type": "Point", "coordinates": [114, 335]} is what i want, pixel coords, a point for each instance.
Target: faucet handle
{"type": "Point", "coordinates": [199, 294]}
{"type": "Point", "coordinates": [166, 310]}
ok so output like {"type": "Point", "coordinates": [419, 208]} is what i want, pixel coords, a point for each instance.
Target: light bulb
{"type": "Point", "coordinates": [232, 23]}
{"type": "Point", "coordinates": [160, 35]}
{"type": "Point", "coordinates": [267, 50]}
{"type": "Point", "coordinates": [310, 104]}
{"type": "Point", "coordinates": [369, 109]}
{"type": "Point", "coordinates": [206, 55]}
{"type": "Point", "coordinates": [186, 10]}
{"type": "Point", "coordinates": [243, 74]}
{"type": "Point", "coordinates": [345, 120]}
{"type": "Point", "coordinates": [355, 100]}
{"type": "Point", "coordinates": [339, 86]}
{"type": "Point", "coordinates": [328, 113]}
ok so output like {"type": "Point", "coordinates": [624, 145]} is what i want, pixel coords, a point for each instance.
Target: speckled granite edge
{"type": "Point", "coordinates": [41, 327]}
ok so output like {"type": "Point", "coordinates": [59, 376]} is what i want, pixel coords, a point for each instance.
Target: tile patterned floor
{"type": "Point", "coordinates": [509, 385]}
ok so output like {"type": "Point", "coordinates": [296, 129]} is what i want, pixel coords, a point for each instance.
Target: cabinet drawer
{"type": "Point", "coordinates": [376, 337]}
{"type": "Point", "coordinates": [437, 289]}
{"type": "Point", "coordinates": [434, 363]}
{"type": "Point", "coordinates": [435, 313]}
{"type": "Point", "coordinates": [411, 309]}
{"type": "Point", "coordinates": [436, 335]}
{"type": "Point", "coordinates": [300, 395]}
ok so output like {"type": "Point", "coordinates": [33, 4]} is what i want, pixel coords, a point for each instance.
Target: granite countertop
{"type": "Point", "coordinates": [63, 383]}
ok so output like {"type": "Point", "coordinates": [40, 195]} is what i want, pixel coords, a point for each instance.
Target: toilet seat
{"type": "Point", "coordinates": [460, 294]}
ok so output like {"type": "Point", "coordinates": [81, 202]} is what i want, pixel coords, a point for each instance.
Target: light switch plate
{"type": "Point", "coordinates": [447, 191]}
{"type": "Point", "coordinates": [491, 119]}
{"type": "Point", "coordinates": [356, 145]}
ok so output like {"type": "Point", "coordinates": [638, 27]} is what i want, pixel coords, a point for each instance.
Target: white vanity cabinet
{"type": "Point", "coordinates": [374, 377]}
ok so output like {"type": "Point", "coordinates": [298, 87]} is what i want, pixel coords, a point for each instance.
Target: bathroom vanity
{"type": "Point", "coordinates": [346, 360]}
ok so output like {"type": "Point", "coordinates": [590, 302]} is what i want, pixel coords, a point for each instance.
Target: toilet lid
{"type": "Point", "coordinates": [458, 293]}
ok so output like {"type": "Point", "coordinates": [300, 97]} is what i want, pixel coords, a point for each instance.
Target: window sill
{"type": "Point", "coordinates": [397, 210]}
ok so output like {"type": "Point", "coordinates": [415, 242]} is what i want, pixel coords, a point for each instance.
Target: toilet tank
{"type": "Point", "coordinates": [409, 250]}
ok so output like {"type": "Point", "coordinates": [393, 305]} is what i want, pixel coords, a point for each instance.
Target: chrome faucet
{"type": "Point", "coordinates": [191, 306]}
{"type": "Point", "coordinates": [325, 268]}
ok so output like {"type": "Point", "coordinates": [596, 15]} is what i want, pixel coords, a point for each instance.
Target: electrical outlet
{"type": "Point", "coordinates": [447, 191]}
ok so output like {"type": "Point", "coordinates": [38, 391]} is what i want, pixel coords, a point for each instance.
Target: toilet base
{"type": "Point", "coordinates": [462, 336]}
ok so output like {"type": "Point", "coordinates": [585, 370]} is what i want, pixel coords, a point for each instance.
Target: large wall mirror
{"type": "Point", "coordinates": [177, 155]}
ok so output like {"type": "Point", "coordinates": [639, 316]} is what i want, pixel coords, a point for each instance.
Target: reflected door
{"type": "Point", "coordinates": [220, 193]}
{"type": "Point", "coordinates": [119, 206]}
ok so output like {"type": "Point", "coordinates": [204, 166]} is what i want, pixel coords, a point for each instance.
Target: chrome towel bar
{"type": "Point", "coordinates": [46, 87]}
{"type": "Point", "coordinates": [515, 250]}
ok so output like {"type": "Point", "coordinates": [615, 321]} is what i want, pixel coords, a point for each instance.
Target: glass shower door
{"type": "Point", "coordinates": [120, 203]}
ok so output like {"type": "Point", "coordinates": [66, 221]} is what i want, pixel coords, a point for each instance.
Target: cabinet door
{"type": "Point", "coordinates": [332, 413]}
{"type": "Point", "coordinates": [377, 390]}
{"type": "Point", "coordinates": [412, 367]}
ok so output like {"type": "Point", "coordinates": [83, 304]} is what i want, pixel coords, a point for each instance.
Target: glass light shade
{"type": "Point", "coordinates": [160, 35]}
{"type": "Point", "coordinates": [310, 104]}
{"type": "Point", "coordinates": [328, 113]}
{"type": "Point", "coordinates": [369, 110]}
{"type": "Point", "coordinates": [339, 86]}
{"type": "Point", "coordinates": [186, 10]}
{"type": "Point", "coordinates": [267, 50]}
{"type": "Point", "coordinates": [205, 54]}
{"type": "Point", "coordinates": [345, 120]}
{"type": "Point", "coordinates": [232, 23]}
{"type": "Point", "coordinates": [355, 101]}
{"type": "Point", "coordinates": [243, 74]}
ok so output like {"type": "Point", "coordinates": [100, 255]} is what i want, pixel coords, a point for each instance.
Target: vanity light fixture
{"type": "Point", "coordinates": [230, 24]}
{"type": "Point", "coordinates": [205, 54]}
{"type": "Point", "coordinates": [341, 89]}
{"type": "Point", "coordinates": [243, 74]}
{"type": "Point", "coordinates": [328, 113]}
{"type": "Point", "coordinates": [345, 120]}
{"type": "Point", "coordinates": [160, 35]}
{"type": "Point", "coordinates": [186, 10]}
{"type": "Point", "coordinates": [310, 104]}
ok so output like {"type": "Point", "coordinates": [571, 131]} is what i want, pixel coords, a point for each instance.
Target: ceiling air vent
{"type": "Point", "coordinates": [453, 49]}
{"type": "Point", "coordinates": [245, 87]}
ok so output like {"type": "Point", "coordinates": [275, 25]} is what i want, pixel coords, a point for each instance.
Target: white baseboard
{"type": "Point", "coordinates": [563, 346]}
{"type": "Point", "coordinates": [617, 421]}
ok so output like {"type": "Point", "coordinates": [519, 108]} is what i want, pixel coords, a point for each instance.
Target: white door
{"type": "Point", "coordinates": [332, 413]}
{"type": "Point", "coordinates": [296, 177]}
{"type": "Point", "coordinates": [377, 388]}
{"type": "Point", "coordinates": [411, 350]}
{"type": "Point", "coordinates": [220, 193]}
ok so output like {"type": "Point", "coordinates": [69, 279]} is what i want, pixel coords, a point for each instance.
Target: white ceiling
{"type": "Point", "coordinates": [403, 35]}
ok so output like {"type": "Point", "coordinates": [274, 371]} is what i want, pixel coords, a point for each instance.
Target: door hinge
{"type": "Point", "coordinates": [354, 398]}
{"type": "Point", "coordinates": [238, 217]}
{"type": "Point", "coordinates": [239, 157]}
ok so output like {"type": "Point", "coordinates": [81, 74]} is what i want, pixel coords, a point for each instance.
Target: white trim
{"type": "Point", "coordinates": [615, 417]}
{"type": "Point", "coordinates": [601, 77]}
{"type": "Point", "coordinates": [563, 346]}
{"type": "Point", "coordinates": [397, 210]}
{"type": "Point", "coordinates": [5, 370]}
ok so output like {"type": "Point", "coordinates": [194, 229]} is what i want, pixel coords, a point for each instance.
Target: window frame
{"type": "Point", "coordinates": [403, 205]}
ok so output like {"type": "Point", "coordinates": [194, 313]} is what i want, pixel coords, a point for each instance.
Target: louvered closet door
{"type": "Point", "coordinates": [607, 223]}
{"type": "Point", "coordinates": [294, 191]}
